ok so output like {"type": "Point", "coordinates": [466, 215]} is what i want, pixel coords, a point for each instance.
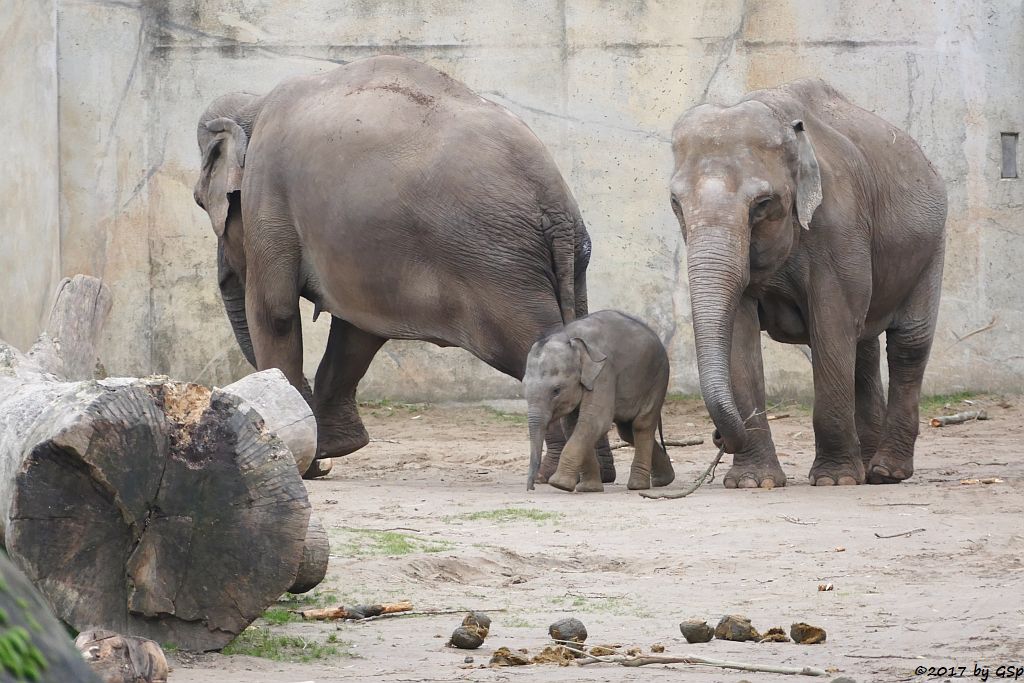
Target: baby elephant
{"type": "Point", "coordinates": [603, 368]}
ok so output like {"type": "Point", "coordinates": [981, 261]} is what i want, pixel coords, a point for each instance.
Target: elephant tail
{"type": "Point", "coordinates": [561, 233]}
{"type": "Point", "coordinates": [661, 436]}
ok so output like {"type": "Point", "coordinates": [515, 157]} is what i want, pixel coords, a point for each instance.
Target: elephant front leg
{"type": "Point", "coordinates": [837, 458]}
{"type": "Point", "coordinates": [757, 465]}
{"type": "Point", "coordinates": [340, 430]}
{"type": "Point", "coordinates": [555, 441]}
{"type": "Point", "coordinates": [578, 467]}
{"type": "Point", "coordinates": [272, 312]}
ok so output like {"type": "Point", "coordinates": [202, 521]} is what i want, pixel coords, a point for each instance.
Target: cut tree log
{"type": "Point", "coordinates": [122, 659]}
{"type": "Point", "coordinates": [284, 411]}
{"type": "Point", "coordinates": [45, 647]}
{"type": "Point", "coordinates": [144, 506]}
{"type": "Point", "coordinates": [315, 555]}
{"type": "Point", "coordinates": [355, 612]}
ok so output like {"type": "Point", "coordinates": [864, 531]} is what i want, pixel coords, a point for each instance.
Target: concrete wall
{"type": "Point", "coordinates": [29, 231]}
{"type": "Point", "coordinates": [599, 82]}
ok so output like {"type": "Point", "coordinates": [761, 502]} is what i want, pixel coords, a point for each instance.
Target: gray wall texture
{"type": "Point", "coordinates": [101, 99]}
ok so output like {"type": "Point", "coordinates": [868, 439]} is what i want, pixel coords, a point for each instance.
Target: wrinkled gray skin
{"type": "Point", "coordinates": [603, 368]}
{"type": "Point", "coordinates": [815, 220]}
{"type": "Point", "coordinates": [403, 204]}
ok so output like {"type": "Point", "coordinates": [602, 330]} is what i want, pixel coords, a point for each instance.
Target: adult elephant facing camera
{"type": "Point", "coordinates": [815, 220]}
{"type": "Point", "coordinates": [402, 203]}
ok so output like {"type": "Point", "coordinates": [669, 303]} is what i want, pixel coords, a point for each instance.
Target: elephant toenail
{"type": "Point", "coordinates": [825, 481]}
{"type": "Point", "coordinates": [847, 481]}
{"type": "Point", "coordinates": [768, 483]}
{"type": "Point", "coordinates": [730, 483]}
{"type": "Point", "coordinates": [748, 483]}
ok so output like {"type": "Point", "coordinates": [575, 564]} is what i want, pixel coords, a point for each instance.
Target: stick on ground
{"type": "Point", "coordinates": [644, 660]}
{"type": "Point", "coordinates": [959, 418]}
{"type": "Point", "coordinates": [681, 443]}
{"type": "Point", "coordinates": [690, 489]}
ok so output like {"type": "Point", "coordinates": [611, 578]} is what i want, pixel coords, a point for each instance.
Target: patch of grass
{"type": "Point", "coordinates": [504, 515]}
{"type": "Point", "coordinates": [280, 615]}
{"type": "Point", "coordinates": [260, 641]}
{"type": "Point", "coordinates": [618, 605]}
{"type": "Point", "coordinates": [935, 404]}
{"type": "Point", "coordinates": [517, 621]}
{"type": "Point", "coordinates": [362, 542]}
{"type": "Point", "coordinates": [385, 407]}
{"type": "Point", "coordinates": [505, 417]}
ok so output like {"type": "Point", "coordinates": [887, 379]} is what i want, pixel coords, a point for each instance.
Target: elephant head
{"type": "Point", "coordinates": [559, 369]}
{"type": "Point", "coordinates": [746, 185]}
{"type": "Point", "coordinates": [223, 136]}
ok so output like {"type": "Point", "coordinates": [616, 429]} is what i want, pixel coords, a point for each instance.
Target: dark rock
{"type": "Point", "coordinates": [467, 638]}
{"type": "Point", "coordinates": [696, 631]}
{"type": "Point", "coordinates": [737, 628]}
{"type": "Point", "coordinates": [569, 630]}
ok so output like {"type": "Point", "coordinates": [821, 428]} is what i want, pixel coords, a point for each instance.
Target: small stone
{"type": "Point", "coordinates": [805, 634]}
{"type": "Point", "coordinates": [736, 628]}
{"type": "Point", "coordinates": [775, 635]}
{"type": "Point", "coordinates": [505, 657]}
{"type": "Point", "coordinates": [569, 630]}
{"type": "Point", "coordinates": [480, 620]}
{"type": "Point", "coordinates": [657, 647]}
{"type": "Point", "coordinates": [696, 631]}
{"type": "Point", "coordinates": [467, 638]}
{"type": "Point", "coordinates": [843, 679]}
{"type": "Point", "coordinates": [468, 659]}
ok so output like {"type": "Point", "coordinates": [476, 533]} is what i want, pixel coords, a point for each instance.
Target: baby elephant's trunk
{"type": "Point", "coordinates": [538, 421]}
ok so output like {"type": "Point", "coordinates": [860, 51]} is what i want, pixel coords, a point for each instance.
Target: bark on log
{"type": "Point", "coordinates": [144, 506]}
{"type": "Point", "coordinates": [959, 418]}
{"type": "Point", "coordinates": [28, 618]}
{"type": "Point", "coordinates": [122, 659]}
{"type": "Point", "coordinates": [315, 556]}
{"type": "Point", "coordinates": [67, 347]}
{"type": "Point", "coordinates": [284, 412]}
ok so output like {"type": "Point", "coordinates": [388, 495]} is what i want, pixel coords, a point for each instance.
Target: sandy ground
{"type": "Point", "coordinates": [632, 569]}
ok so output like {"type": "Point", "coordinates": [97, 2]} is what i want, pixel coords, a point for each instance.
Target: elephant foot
{"type": "Point", "coordinates": [663, 479]}
{"type": "Point", "coordinates": [886, 468]}
{"type": "Point", "coordinates": [548, 466]}
{"type": "Point", "coordinates": [638, 481]}
{"type": "Point", "coordinates": [334, 443]}
{"type": "Point", "coordinates": [751, 473]}
{"type": "Point", "coordinates": [589, 486]}
{"type": "Point", "coordinates": [567, 482]}
{"type": "Point", "coordinates": [848, 472]}
{"type": "Point", "coordinates": [319, 468]}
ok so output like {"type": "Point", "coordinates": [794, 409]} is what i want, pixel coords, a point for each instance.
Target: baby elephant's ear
{"type": "Point", "coordinates": [591, 362]}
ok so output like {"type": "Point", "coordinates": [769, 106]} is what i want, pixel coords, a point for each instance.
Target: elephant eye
{"type": "Point", "coordinates": [759, 207]}
{"type": "Point", "coordinates": [556, 391]}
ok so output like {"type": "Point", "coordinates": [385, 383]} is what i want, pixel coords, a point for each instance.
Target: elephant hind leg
{"type": "Point", "coordinates": [908, 343]}
{"type": "Point", "coordinates": [349, 351]}
{"type": "Point", "coordinates": [870, 398]}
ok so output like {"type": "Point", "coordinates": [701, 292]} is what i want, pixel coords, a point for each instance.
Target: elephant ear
{"type": "Point", "coordinates": [808, 177]}
{"type": "Point", "coordinates": [221, 175]}
{"type": "Point", "coordinates": [591, 362]}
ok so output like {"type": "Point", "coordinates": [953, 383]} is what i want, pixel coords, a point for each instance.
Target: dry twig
{"type": "Point", "coordinates": [796, 520]}
{"type": "Point", "coordinates": [644, 660]}
{"type": "Point", "coordinates": [692, 487]}
{"type": "Point", "coordinates": [682, 443]}
{"type": "Point", "coordinates": [903, 533]}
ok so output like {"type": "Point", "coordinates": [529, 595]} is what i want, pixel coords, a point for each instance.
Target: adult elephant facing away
{"type": "Point", "coordinates": [402, 203]}
{"type": "Point", "coordinates": [815, 220]}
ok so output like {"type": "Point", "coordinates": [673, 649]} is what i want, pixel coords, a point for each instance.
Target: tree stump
{"type": "Point", "coordinates": [26, 617]}
{"type": "Point", "coordinates": [145, 506]}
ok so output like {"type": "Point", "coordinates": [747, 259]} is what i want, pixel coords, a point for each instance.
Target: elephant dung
{"type": "Point", "coordinates": [555, 654]}
{"type": "Point", "coordinates": [657, 647]}
{"type": "Point", "coordinates": [602, 650]}
{"type": "Point", "coordinates": [737, 628]}
{"type": "Point", "coordinates": [775, 635]}
{"type": "Point", "coordinates": [805, 634]}
{"type": "Point", "coordinates": [467, 637]}
{"type": "Point", "coordinates": [569, 630]}
{"type": "Point", "coordinates": [696, 631]}
{"type": "Point", "coordinates": [506, 657]}
{"type": "Point", "coordinates": [481, 621]}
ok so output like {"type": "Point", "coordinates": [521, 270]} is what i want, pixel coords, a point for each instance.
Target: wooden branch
{"type": "Point", "coordinates": [359, 612]}
{"type": "Point", "coordinates": [959, 418]}
{"type": "Point", "coordinates": [67, 347]}
{"type": "Point", "coordinates": [316, 551]}
{"type": "Point", "coordinates": [645, 660]}
{"type": "Point", "coordinates": [424, 613]}
{"type": "Point", "coordinates": [693, 487]}
{"type": "Point", "coordinates": [682, 443]}
{"type": "Point", "coordinates": [899, 535]}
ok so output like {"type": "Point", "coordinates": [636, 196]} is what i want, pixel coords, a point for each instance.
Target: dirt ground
{"type": "Point", "coordinates": [446, 486]}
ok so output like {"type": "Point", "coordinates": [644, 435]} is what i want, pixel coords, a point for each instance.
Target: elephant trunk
{"type": "Point", "coordinates": [232, 293]}
{"type": "Point", "coordinates": [718, 274]}
{"type": "Point", "coordinates": [538, 420]}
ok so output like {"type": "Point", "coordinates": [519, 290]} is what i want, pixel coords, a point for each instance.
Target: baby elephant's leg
{"type": "Point", "coordinates": [662, 473]}
{"type": "Point", "coordinates": [640, 471]}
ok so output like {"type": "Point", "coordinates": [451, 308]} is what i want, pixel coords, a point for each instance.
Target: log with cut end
{"type": "Point", "coordinates": [356, 612]}
{"type": "Point", "coordinates": [315, 555]}
{"type": "Point", "coordinates": [145, 506]}
{"type": "Point", "coordinates": [959, 418]}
